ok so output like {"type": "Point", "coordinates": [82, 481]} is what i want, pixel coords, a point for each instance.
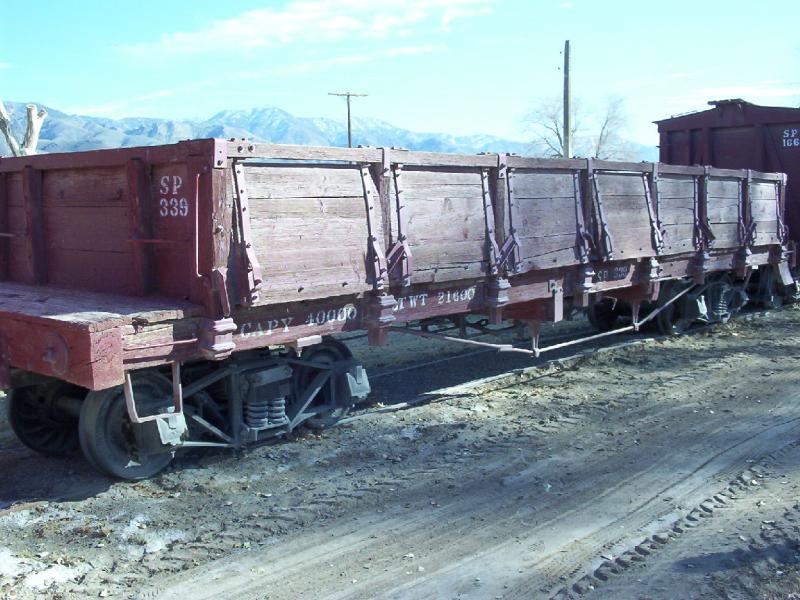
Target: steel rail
{"type": "Point", "coordinates": [428, 398]}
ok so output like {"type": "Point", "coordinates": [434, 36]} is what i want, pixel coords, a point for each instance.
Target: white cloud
{"type": "Point", "coordinates": [567, 4]}
{"type": "Point", "coordinates": [318, 65]}
{"type": "Point", "coordinates": [312, 22]}
{"type": "Point", "coordinates": [454, 12]}
{"type": "Point", "coordinates": [5, 65]}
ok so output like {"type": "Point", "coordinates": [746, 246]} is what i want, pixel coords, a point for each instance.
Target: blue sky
{"type": "Point", "coordinates": [454, 66]}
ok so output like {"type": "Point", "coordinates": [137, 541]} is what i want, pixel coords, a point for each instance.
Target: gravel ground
{"type": "Point", "coordinates": [663, 470]}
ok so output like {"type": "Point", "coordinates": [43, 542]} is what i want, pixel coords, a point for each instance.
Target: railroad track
{"type": "Point", "coordinates": [564, 356]}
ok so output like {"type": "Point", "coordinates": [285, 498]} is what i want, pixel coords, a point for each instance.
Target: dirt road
{"type": "Point", "coordinates": [666, 470]}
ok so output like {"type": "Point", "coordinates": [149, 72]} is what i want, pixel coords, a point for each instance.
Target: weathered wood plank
{"type": "Point", "coordinates": [450, 272]}
{"type": "Point", "coordinates": [528, 184]}
{"type": "Point", "coordinates": [763, 191]}
{"type": "Point", "coordinates": [722, 214]}
{"type": "Point", "coordinates": [91, 270]}
{"type": "Point", "coordinates": [291, 152]}
{"type": "Point", "coordinates": [413, 177]}
{"type": "Point", "coordinates": [442, 159]}
{"type": "Point", "coordinates": [433, 255]}
{"type": "Point", "coordinates": [140, 224]}
{"type": "Point", "coordinates": [675, 187]}
{"type": "Point", "coordinates": [297, 285]}
{"type": "Point", "coordinates": [564, 257]}
{"type": "Point", "coordinates": [34, 224]}
{"type": "Point", "coordinates": [632, 242]}
{"type": "Point", "coordinates": [767, 233]}
{"type": "Point", "coordinates": [678, 238]}
{"type": "Point", "coordinates": [96, 229]}
{"type": "Point", "coordinates": [726, 235]}
{"type": "Point", "coordinates": [303, 182]}
{"type": "Point", "coordinates": [15, 191]}
{"type": "Point", "coordinates": [545, 216]}
{"type": "Point", "coordinates": [675, 203]}
{"type": "Point", "coordinates": [723, 188]}
{"type": "Point", "coordinates": [346, 207]}
{"type": "Point", "coordinates": [306, 228]}
{"type": "Point", "coordinates": [625, 203]}
{"type": "Point", "coordinates": [676, 215]}
{"type": "Point", "coordinates": [620, 184]}
{"type": "Point", "coordinates": [94, 311]}
{"type": "Point", "coordinates": [763, 210]}
{"type": "Point", "coordinates": [84, 187]}
{"type": "Point", "coordinates": [532, 247]}
{"type": "Point", "coordinates": [439, 193]}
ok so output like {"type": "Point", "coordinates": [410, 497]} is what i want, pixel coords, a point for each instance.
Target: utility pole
{"type": "Point", "coordinates": [348, 95]}
{"type": "Point", "coordinates": [567, 141]}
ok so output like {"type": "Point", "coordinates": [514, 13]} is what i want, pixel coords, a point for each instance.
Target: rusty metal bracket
{"type": "Point", "coordinates": [584, 242]}
{"type": "Point", "coordinates": [177, 398]}
{"type": "Point", "coordinates": [510, 251]}
{"type": "Point", "coordinates": [607, 240]}
{"type": "Point", "coordinates": [651, 199]}
{"type": "Point", "coordinates": [492, 250]}
{"type": "Point", "coordinates": [780, 190]}
{"type": "Point", "coordinates": [253, 268]}
{"type": "Point", "coordinates": [704, 236]}
{"type": "Point", "coordinates": [399, 254]}
{"type": "Point", "coordinates": [747, 225]}
{"type": "Point", "coordinates": [219, 277]}
{"type": "Point", "coordinates": [376, 260]}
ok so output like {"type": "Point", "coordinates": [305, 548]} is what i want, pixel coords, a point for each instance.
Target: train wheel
{"type": "Point", "coordinates": [42, 422]}
{"type": "Point", "coordinates": [111, 442]}
{"type": "Point", "coordinates": [327, 352]}
{"type": "Point", "coordinates": [603, 314]}
{"type": "Point", "coordinates": [672, 320]}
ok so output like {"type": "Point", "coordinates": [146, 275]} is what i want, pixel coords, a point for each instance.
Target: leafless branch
{"type": "Point", "coordinates": [592, 136]}
{"type": "Point", "coordinates": [35, 119]}
{"type": "Point", "coordinates": [5, 127]}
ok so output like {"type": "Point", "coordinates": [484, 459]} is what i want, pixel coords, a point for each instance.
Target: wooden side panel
{"type": "Point", "coordinates": [35, 235]}
{"type": "Point", "coordinates": [309, 230]}
{"type": "Point", "coordinates": [444, 222]}
{"type": "Point", "coordinates": [764, 210]}
{"type": "Point", "coordinates": [676, 207]}
{"type": "Point", "coordinates": [625, 210]}
{"type": "Point", "coordinates": [174, 223]}
{"type": "Point", "coordinates": [19, 269]}
{"type": "Point", "coordinates": [545, 218]}
{"type": "Point", "coordinates": [86, 229]}
{"type": "Point", "coordinates": [724, 198]}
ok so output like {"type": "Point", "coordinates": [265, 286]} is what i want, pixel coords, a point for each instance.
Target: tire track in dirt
{"type": "Point", "coordinates": [733, 560]}
{"type": "Point", "coordinates": [468, 522]}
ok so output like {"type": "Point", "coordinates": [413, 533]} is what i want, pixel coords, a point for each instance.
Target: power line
{"type": "Point", "coordinates": [348, 95]}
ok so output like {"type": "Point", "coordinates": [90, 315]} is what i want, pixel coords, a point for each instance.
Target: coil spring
{"type": "Point", "coordinates": [276, 409]}
{"type": "Point", "coordinates": [720, 301]}
{"type": "Point", "coordinates": [256, 412]}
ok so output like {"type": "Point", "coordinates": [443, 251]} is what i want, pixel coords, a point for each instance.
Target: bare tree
{"type": "Point", "coordinates": [595, 135]}
{"type": "Point", "coordinates": [608, 143]}
{"type": "Point", "coordinates": [34, 127]}
{"type": "Point", "coordinates": [547, 123]}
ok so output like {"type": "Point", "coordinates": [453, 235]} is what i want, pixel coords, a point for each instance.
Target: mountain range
{"type": "Point", "coordinates": [63, 132]}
